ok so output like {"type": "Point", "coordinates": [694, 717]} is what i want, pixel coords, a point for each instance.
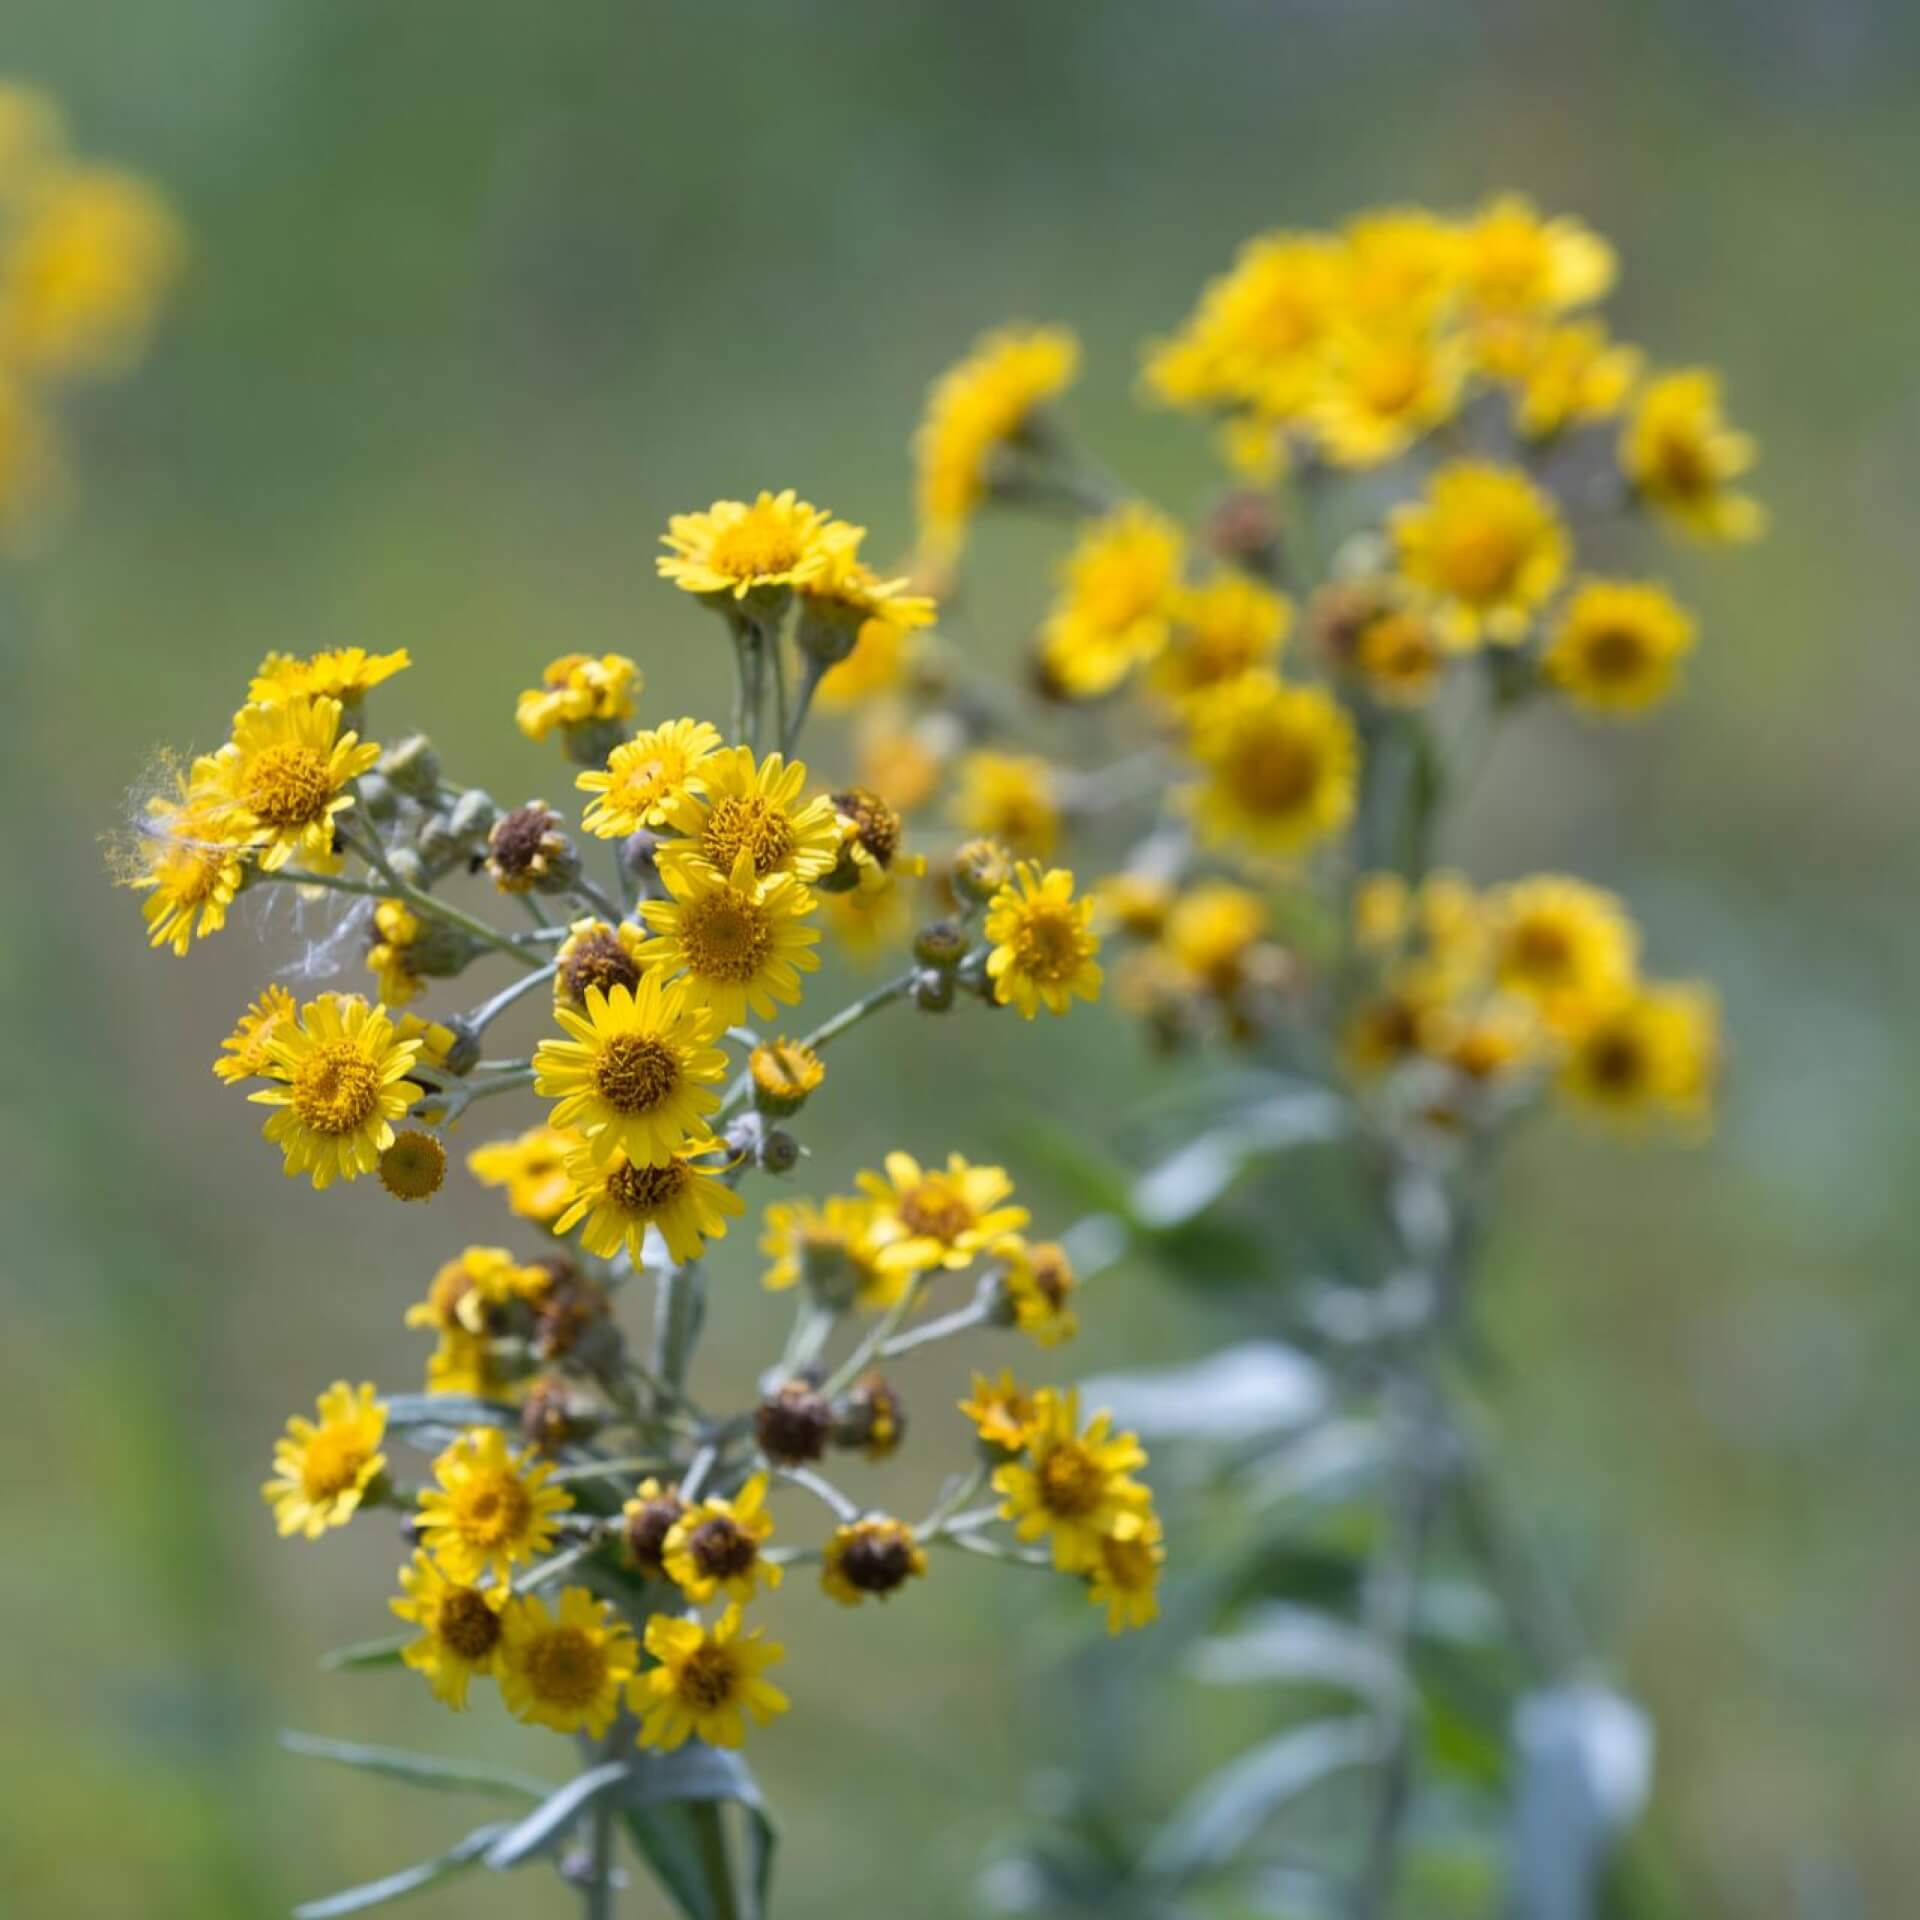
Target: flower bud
{"type": "Point", "coordinates": [980, 869]}
{"type": "Point", "coordinates": [412, 766]}
{"type": "Point", "coordinates": [870, 1417]}
{"type": "Point", "coordinates": [472, 816]}
{"type": "Point", "coordinates": [793, 1424]}
{"type": "Point", "coordinates": [933, 992]}
{"type": "Point", "coordinates": [941, 946]}
{"type": "Point", "coordinates": [378, 801]}
{"type": "Point", "coordinates": [779, 1151]}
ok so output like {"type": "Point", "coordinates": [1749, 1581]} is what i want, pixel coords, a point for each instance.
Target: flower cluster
{"type": "Point", "coordinates": [87, 255]}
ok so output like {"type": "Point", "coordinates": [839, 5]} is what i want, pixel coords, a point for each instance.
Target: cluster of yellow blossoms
{"type": "Point", "coordinates": [87, 254]}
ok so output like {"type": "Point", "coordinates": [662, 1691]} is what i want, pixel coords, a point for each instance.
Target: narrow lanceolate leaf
{"type": "Point", "coordinates": [366, 1653]}
{"type": "Point", "coordinates": [397, 1886]}
{"type": "Point", "coordinates": [1251, 1391]}
{"type": "Point", "coordinates": [675, 1813]}
{"type": "Point", "coordinates": [549, 1821]}
{"type": "Point", "coordinates": [1189, 1181]}
{"type": "Point", "coordinates": [1286, 1644]}
{"type": "Point", "coordinates": [420, 1769]}
{"type": "Point", "coordinates": [1229, 1808]}
{"type": "Point", "coordinates": [405, 1411]}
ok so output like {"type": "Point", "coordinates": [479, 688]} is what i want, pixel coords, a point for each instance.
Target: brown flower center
{"type": "Point", "coordinates": [646, 1190]}
{"type": "Point", "coordinates": [494, 1510]}
{"type": "Point", "coordinates": [634, 1072]}
{"type": "Point", "coordinates": [877, 1560]}
{"type": "Point", "coordinates": [936, 1209]}
{"type": "Point", "coordinates": [1072, 1482]}
{"type": "Point", "coordinates": [1271, 771]}
{"type": "Point", "coordinates": [597, 959]}
{"type": "Point", "coordinates": [566, 1666]}
{"type": "Point", "coordinates": [709, 1677]}
{"type": "Point", "coordinates": [466, 1624]}
{"type": "Point", "coordinates": [1616, 654]}
{"type": "Point", "coordinates": [721, 1550]}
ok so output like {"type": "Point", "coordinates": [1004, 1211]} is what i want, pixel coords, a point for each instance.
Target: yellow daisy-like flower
{"type": "Point", "coordinates": [282, 779]}
{"type": "Point", "coordinates": [1040, 1284]}
{"type": "Point", "coordinates": [930, 1217]}
{"type": "Point", "coordinates": [465, 1292]}
{"type": "Point", "coordinates": [1277, 764]}
{"type": "Point", "coordinates": [1487, 544]}
{"type": "Point", "coordinates": [1043, 943]}
{"type": "Point", "coordinates": [839, 589]}
{"type": "Point", "coordinates": [985, 402]}
{"type": "Point", "coordinates": [1514, 261]}
{"type": "Point", "coordinates": [867, 924]}
{"type": "Point", "coordinates": [870, 834]}
{"type": "Point", "coordinates": [899, 761]}
{"type": "Point", "coordinates": [1682, 458]}
{"type": "Point", "coordinates": [186, 860]}
{"type": "Point", "coordinates": [491, 1509]}
{"type": "Point", "coordinates": [1565, 375]}
{"type": "Point", "coordinates": [734, 549]}
{"type": "Point", "coordinates": [1211, 932]}
{"type": "Point", "coordinates": [343, 1082]}
{"type": "Point", "coordinates": [832, 1246]}
{"type": "Point", "coordinates": [1386, 386]}
{"type": "Point", "coordinates": [1654, 1051]}
{"type": "Point", "coordinates": [637, 1073]}
{"type": "Point", "coordinates": [460, 1629]}
{"type": "Point", "coordinates": [1567, 948]}
{"type": "Point", "coordinates": [755, 810]}
{"type": "Point", "coordinates": [1134, 902]}
{"type": "Point", "coordinates": [707, 1681]}
{"type": "Point", "coordinates": [1125, 1579]}
{"type": "Point", "coordinates": [532, 1168]}
{"type": "Point", "coordinates": [645, 775]}
{"type": "Point", "coordinates": [1076, 1488]}
{"type": "Point", "coordinates": [414, 1167]}
{"type": "Point", "coordinates": [870, 1560]}
{"type": "Point", "coordinates": [1398, 657]}
{"type": "Point", "coordinates": [322, 1470]}
{"type": "Point", "coordinates": [786, 1075]}
{"type": "Point", "coordinates": [740, 941]}
{"type": "Point", "coordinates": [1397, 263]}
{"type": "Point", "coordinates": [466, 1363]}
{"type": "Point", "coordinates": [389, 959]}
{"type": "Point", "coordinates": [1220, 630]}
{"type": "Point", "coordinates": [244, 1050]}
{"type": "Point", "coordinates": [1009, 797]}
{"type": "Point", "coordinates": [714, 1546]}
{"type": "Point", "coordinates": [596, 954]}
{"type": "Point", "coordinates": [346, 674]}
{"type": "Point", "coordinates": [579, 690]}
{"type": "Point", "coordinates": [684, 1197]}
{"type": "Point", "coordinates": [1001, 1411]}
{"type": "Point", "coordinates": [1617, 645]}
{"type": "Point", "coordinates": [565, 1668]}
{"type": "Point", "coordinates": [1116, 608]}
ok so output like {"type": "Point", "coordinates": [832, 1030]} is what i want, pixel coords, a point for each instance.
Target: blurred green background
{"type": "Point", "coordinates": [480, 294]}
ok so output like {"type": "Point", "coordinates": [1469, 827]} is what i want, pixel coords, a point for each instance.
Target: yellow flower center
{"type": "Point", "coordinates": [642, 782]}
{"type": "Point", "coordinates": [762, 542]}
{"type": "Point", "coordinates": [1129, 1564]}
{"type": "Point", "coordinates": [565, 1665]}
{"type": "Point", "coordinates": [492, 1510]}
{"type": "Point", "coordinates": [1046, 944]}
{"type": "Point", "coordinates": [708, 1678]}
{"type": "Point", "coordinates": [726, 936]}
{"type": "Point", "coordinates": [466, 1625]}
{"type": "Point", "coordinates": [1479, 557]}
{"type": "Point", "coordinates": [1072, 1481]}
{"type": "Point", "coordinates": [751, 823]}
{"type": "Point", "coordinates": [288, 785]}
{"type": "Point", "coordinates": [646, 1190]}
{"type": "Point", "coordinates": [1540, 950]}
{"type": "Point", "coordinates": [1390, 380]}
{"type": "Point", "coordinates": [1271, 771]}
{"type": "Point", "coordinates": [937, 1209]}
{"type": "Point", "coordinates": [414, 1166]}
{"type": "Point", "coordinates": [334, 1459]}
{"type": "Point", "coordinates": [335, 1088]}
{"type": "Point", "coordinates": [634, 1072]}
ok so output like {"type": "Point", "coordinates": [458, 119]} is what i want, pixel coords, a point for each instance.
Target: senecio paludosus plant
{"type": "Point", "coordinates": [1261, 728]}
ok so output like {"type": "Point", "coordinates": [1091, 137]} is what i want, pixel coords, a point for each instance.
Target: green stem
{"type": "Point", "coordinates": [488, 1011]}
{"type": "Point", "coordinates": [676, 1326]}
{"type": "Point", "coordinates": [877, 1337]}
{"type": "Point", "coordinates": [375, 855]}
{"type": "Point", "coordinates": [812, 672]}
{"type": "Point", "coordinates": [775, 649]}
{"type": "Point", "coordinates": [596, 1891]}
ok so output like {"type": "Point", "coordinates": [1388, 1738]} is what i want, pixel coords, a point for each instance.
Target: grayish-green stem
{"type": "Point", "coordinates": [488, 1011]}
{"type": "Point", "coordinates": [676, 1325]}
{"type": "Point", "coordinates": [811, 673]}
{"type": "Point", "coordinates": [596, 1890]}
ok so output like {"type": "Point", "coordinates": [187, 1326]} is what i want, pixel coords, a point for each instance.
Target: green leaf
{"type": "Point", "coordinates": [1253, 1391]}
{"type": "Point", "coordinates": [409, 1880]}
{"type": "Point", "coordinates": [554, 1815]}
{"type": "Point", "coordinates": [419, 1769]}
{"type": "Point", "coordinates": [407, 1411]}
{"type": "Point", "coordinates": [674, 1811]}
{"type": "Point", "coordinates": [367, 1653]}
{"type": "Point", "coordinates": [1191, 1179]}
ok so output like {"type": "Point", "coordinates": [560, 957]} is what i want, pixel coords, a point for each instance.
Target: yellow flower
{"type": "Point", "coordinates": [389, 959]}
{"type": "Point", "coordinates": [1219, 631]}
{"type": "Point", "coordinates": [1113, 615]}
{"type": "Point", "coordinates": [936, 1218]}
{"type": "Point", "coordinates": [244, 1050]}
{"type": "Point", "coordinates": [883, 650]}
{"type": "Point", "coordinates": [467, 1292]}
{"type": "Point", "coordinates": [1210, 932]}
{"type": "Point", "coordinates": [1653, 1051]}
{"type": "Point", "coordinates": [866, 923]}
{"type": "Point", "coordinates": [751, 810]}
{"type": "Point", "coordinates": [282, 779]}
{"type": "Point", "coordinates": [342, 1074]}
{"type": "Point", "coordinates": [346, 674]}
{"type": "Point", "coordinates": [707, 1680]}
{"type": "Point", "coordinates": [786, 1075]}
{"type": "Point", "coordinates": [734, 549]}
{"type": "Point", "coordinates": [1681, 457]}
{"type": "Point", "coordinates": [1408, 1015]}
{"type": "Point", "coordinates": [1382, 911]}
{"type": "Point", "coordinates": [1397, 264]}
{"type": "Point", "coordinates": [840, 590]}
{"type": "Point", "coordinates": [579, 690]}
{"type": "Point", "coordinates": [1398, 657]}
{"type": "Point", "coordinates": [1487, 544]}
{"type": "Point", "coordinates": [322, 1472]}
{"type": "Point", "coordinates": [1568, 374]}
{"type": "Point", "coordinates": [832, 1245]}
{"type": "Point", "coordinates": [414, 1167]}
{"type": "Point", "coordinates": [714, 1546]}
{"type": "Point", "coordinates": [565, 1668]}
{"type": "Point", "coordinates": [85, 270]}
{"type": "Point", "coordinates": [636, 1076]}
{"type": "Point", "coordinates": [1043, 943]}
{"type": "Point", "coordinates": [1514, 261]}
{"type": "Point", "coordinates": [1135, 902]}
{"type": "Point", "coordinates": [1566, 947]}
{"type": "Point", "coordinates": [184, 858]}
{"type": "Point", "coordinates": [1009, 797]}
{"type": "Point", "coordinates": [1075, 1487]}
{"type": "Point", "coordinates": [1040, 1284]}
{"type": "Point", "coordinates": [645, 1522]}
{"type": "Point", "coordinates": [1277, 764]}
{"type": "Point", "coordinates": [1617, 645]}
{"type": "Point", "coordinates": [739, 940]}
{"type": "Point", "coordinates": [459, 1626]}
{"type": "Point", "coordinates": [1387, 385]}
{"type": "Point", "coordinates": [1001, 1411]}
{"type": "Point", "coordinates": [985, 402]}
{"type": "Point", "coordinates": [490, 1510]}
{"type": "Point", "coordinates": [1125, 1577]}
{"type": "Point", "coordinates": [533, 1170]}
{"type": "Point", "coordinates": [870, 833]}
{"type": "Point", "coordinates": [645, 775]}
{"type": "Point", "coordinates": [466, 1363]}
{"type": "Point", "coordinates": [595, 954]}
{"type": "Point", "coordinates": [871, 1558]}
{"type": "Point", "coordinates": [899, 761]}
{"type": "Point", "coordinates": [684, 1197]}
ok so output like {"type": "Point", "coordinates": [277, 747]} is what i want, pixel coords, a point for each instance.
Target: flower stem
{"type": "Point", "coordinates": [490, 1010]}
